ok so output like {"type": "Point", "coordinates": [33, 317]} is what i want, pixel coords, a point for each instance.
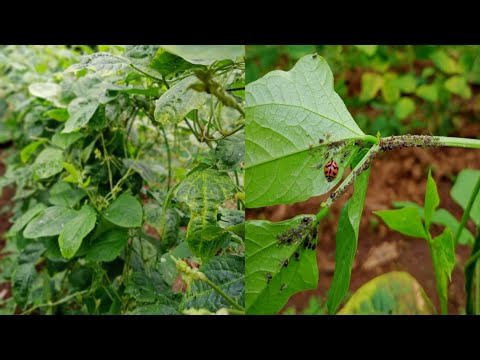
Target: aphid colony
{"type": "Point", "coordinates": [304, 231]}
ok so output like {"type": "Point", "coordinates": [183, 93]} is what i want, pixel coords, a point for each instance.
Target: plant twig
{"type": "Point", "coordinates": [61, 301]}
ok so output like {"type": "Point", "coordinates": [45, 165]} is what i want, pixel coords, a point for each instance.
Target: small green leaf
{"type": "Point", "coordinates": [390, 90]}
{"type": "Point", "coordinates": [406, 221]}
{"type": "Point", "coordinates": [203, 191]}
{"type": "Point", "coordinates": [206, 54]}
{"type": "Point", "coordinates": [371, 84]}
{"type": "Point", "coordinates": [75, 231]}
{"type": "Point", "coordinates": [23, 220]}
{"type": "Point", "coordinates": [370, 50]}
{"type": "Point", "coordinates": [45, 90]}
{"type": "Point", "coordinates": [432, 200]}
{"type": "Point", "coordinates": [29, 150]}
{"type": "Point", "coordinates": [81, 110]}
{"type": "Point", "coordinates": [57, 114]}
{"type": "Point", "coordinates": [169, 227]}
{"type": "Point", "coordinates": [458, 85]}
{"type": "Point", "coordinates": [230, 152]}
{"type": "Point", "coordinates": [48, 163]}
{"type": "Point", "coordinates": [445, 63]}
{"type": "Point", "coordinates": [31, 253]}
{"type": "Point", "coordinates": [167, 63]}
{"type": "Point", "coordinates": [107, 246]}
{"type": "Point", "coordinates": [404, 108]}
{"type": "Point", "coordinates": [443, 256]}
{"type": "Point", "coordinates": [228, 273]}
{"type": "Point", "coordinates": [393, 293]}
{"type": "Point", "coordinates": [347, 240]}
{"type": "Point", "coordinates": [125, 211]}
{"type": "Point", "coordinates": [178, 101]}
{"type": "Point", "coordinates": [406, 83]}
{"type": "Point", "coordinates": [462, 191]}
{"type": "Point", "coordinates": [445, 218]}
{"type": "Point", "coordinates": [63, 194]}
{"type": "Point", "coordinates": [264, 256]}
{"type": "Point", "coordinates": [49, 222]}
{"type": "Point", "coordinates": [428, 92]}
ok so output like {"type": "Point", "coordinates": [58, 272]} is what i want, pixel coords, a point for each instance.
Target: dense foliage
{"type": "Point", "coordinates": [127, 167]}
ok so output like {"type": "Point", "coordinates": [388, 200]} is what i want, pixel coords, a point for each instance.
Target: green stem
{"type": "Point", "coordinates": [146, 74]}
{"type": "Point", "coordinates": [477, 288]}
{"type": "Point", "coordinates": [107, 159]}
{"type": "Point", "coordinates": [224, 295]}
{"type": "Point", "coordinates": [61, 301]}
{"type": "Point", "coordinates": [466, 213]}
{"type": "Point", "coordinates": [235, 312]}
{"type": "Point", "coordinates": [430, 141]}
{"type": "Point", "coordinates": [169, 156]}
{"type": "Point", "coordinates": [443, 301]}
{"type": "Point", "coordinates": [472, 259]}
{"type": "Point", "coordinates": [371, 139]}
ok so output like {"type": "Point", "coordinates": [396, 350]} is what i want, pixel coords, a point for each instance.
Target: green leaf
{"type": "Point", "coordinates": [125, 211]}
{"type": "Point", "coordinates": [469, 278]}
{"type": "Point", "coordinates": [107, 246]}
{"type": "Point", "coordinates": [23, 278]}
{"type": "Point", "coordinates": [141, 287]}
{"type": "Point", "coordinates": [63, 194]}
{"type": "Point", "coordinates": [393, 293]}
{"type": "Point", "coordinates": [428, 92]}
{"type": "Point", "coordinates": [154, 309]}
{"type": "Point", "coordinates": [432, 200]}
{"type": "Point", "coordinates": [167, 63]}
{"type": "Point", "coordinates": [206, 54]}
{"type": "Point", "coordinates": [57, 114]}
{"type": "Point", "coordinates": [390, 90]}
{"type": "Point", "coordinates": [48, 163]}
{"type": "Point", "coordinates": [347, 240]}
{"type": "Point", "coordinates": [203, 191]}
{"type": "Point", "coordinates": [462, 190]}
{"type": "Point", "coordinates": [406, 221]}
{"type": "Point", "coordinates": [286, 114]}
{"type": "Point", "coordinates": [230, 152]}
{"type": "Point", "coordinates": [23, 220]}
{"type": "Point", "coordinates": [371, 84]}
{"type": "Point", "coordinates": [169, 227]}
{"type": "Point", "coordinates": [49, 222]}
{"type": "Point", "coordinates": [458, 85]}
{"type": "Point", "coordinates": [406, 83]}
{"type": "Point", "coordinates": [228, 273]}
{"type": "Point", "coordinates": [445, 218]}
{"type": "Point", "coordinates": [264, 255]}
{"type": "Point", "coordinates": [75, 231]}
{"type": "Point", "coordinates": [150, 170]}
{"type": "Point", "coordinates": [31, 253]}
{"type": "Point", "coordinates": [443, 256]}
{"type": "Point", "coordinates": [81, 110]}
{"type": "Point", "coordinates": [445, 63]}
{"type": "Point", "coordinates": [102, 63]}
{"type": "Point", "coordinates": [178, 101]}
{"type": "Point", "coordinates": [45, 90]}
{"type": "Point", "coordinates": [63, 141]}
{"type": "Point", "coordinates": [29, 150]}
{"type": "Point", "coordinates": [370, 50]}
{"type": "Point", "coordinates": [404, 108]}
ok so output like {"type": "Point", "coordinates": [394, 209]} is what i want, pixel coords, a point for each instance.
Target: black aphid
{"type": "Point", "coordinates": [269, 277]}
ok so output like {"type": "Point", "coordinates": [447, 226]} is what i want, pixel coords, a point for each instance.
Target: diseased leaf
{"type": "Point", "coordinates": [48, 163]}
{"type": "Point", "coordinates": [178, 101]}
{"type": "Point", "coordinates": [393, 293]}
{"type": "Point", "coordinates": [81, 110]}
{"type": "Point", "coordinates": [49, 222]}
{"type": "Point", "coordinates": [23, 220]}
{"type": "Point", "coordinates": [23, 278]}
{"type": "Point", "coordinates": [206, 54]}
{"type": "Point", "coordinates": [102, 63]}
{"type": "Point", "coordinates": [227, 272]}
{"type": "Point", "coordinates": [265, 256]}
{"type": "Point", "coordinates": [203, 191]}
{"type": "Point", "coordinates": [230, 152]}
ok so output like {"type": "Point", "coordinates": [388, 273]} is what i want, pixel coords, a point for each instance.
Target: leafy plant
{"type": "Point", "coordinates": [296, 122]}
{"type": "Point", "coordinates": [127, 164]}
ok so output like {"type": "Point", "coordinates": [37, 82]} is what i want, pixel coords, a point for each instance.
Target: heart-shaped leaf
{"type": "Point", "coordinates": [75, 231]}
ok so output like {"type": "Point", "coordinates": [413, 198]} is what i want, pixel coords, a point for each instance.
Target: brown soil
{"type": "Point", "coordinates": [397, 175]}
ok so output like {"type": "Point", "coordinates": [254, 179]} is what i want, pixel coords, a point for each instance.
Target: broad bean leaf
{"type": "Point", "coordinates": [295, 123]}
{"type": "Point", "coordinates": [48, 163]}
{"type": "Point", "coordinates": [265, 256]}
{"type": "Point", "coordinates": [75, 231]}
{"type": "Point", "coordinates": [406, 221]}
{"type": "Point", "coordinates": [206, 54]}
{"type": "Point", "coordinates": [125, 211]}
{"type": "Point", "coordinates": [108, 246]}
{"type": "Point", "coordinates": [49, 222]}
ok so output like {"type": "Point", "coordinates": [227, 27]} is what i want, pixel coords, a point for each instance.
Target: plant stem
{"type": "Point", "coordinates": [146, 74]}
{"type": "Point", "coordinates": [169, 156]}
{"type": "Point", "coordinates": [224, 295]}
{"type": "Point", "coordinates": [477, 288]}
{"type": "Point", "coordinates": [107, 159]}
{"type": "Point", "coordinates": [429, 141]}
{"type": "Point", "coordinates": [61, 301]}
{"type": "Point", "coordinates": [466, 213]}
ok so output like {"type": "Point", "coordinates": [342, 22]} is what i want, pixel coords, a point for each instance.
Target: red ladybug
{"type": "Point", "coordinates": [331, 170]}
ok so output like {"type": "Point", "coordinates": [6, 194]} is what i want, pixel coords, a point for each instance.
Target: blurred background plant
{"type": "Point", "coordinates": [392, 89]}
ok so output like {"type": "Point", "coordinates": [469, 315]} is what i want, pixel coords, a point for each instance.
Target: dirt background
{"type": "Point", "coordinates": [396, 176]}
